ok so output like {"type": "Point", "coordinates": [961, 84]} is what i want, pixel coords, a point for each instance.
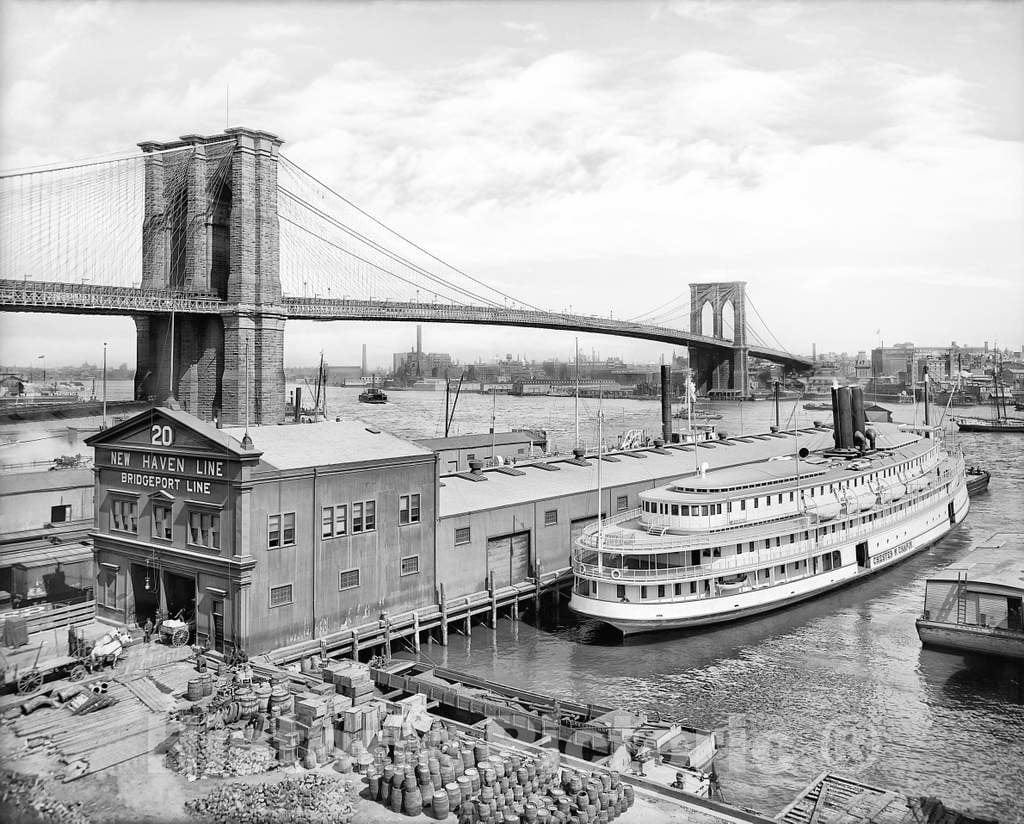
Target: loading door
{"type": "Point", "coordinates": [508, 557]}
{"type": "Point", "coordinates": [575, 530]}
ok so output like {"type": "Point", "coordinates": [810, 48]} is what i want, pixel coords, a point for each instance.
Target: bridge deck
{"type": "Point", "coordinates": [68, 298]}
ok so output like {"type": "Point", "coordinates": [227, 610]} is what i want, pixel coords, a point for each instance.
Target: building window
{"type": "Point", "coordinates": [408, 509]}
{"type": "Point", "coordinates": [551, 517]}
{"type": "Point", "coordinates": [281, 530]}
{"type": "Point", "coordinates": [620, 591]}
{"type": "Point", "coordinates": [204, 529]}
{"type": "Point", "coordinates": [162, 522]}
{"type": "Point", "coordinates": [411, 565]}
{"type": "Point", "coordinates": [643, 592]}
{"type": "Point", "coordinates": [279, 596]}
{"type": "Point", "coordinates": [124, 515]}
{"type": "Point", "coordinates": [462, 535]}
{"type": "Point", "coordinates": [334, 521]}
{"type": "Point", "coordinates": [678, 590]}
{"type": "Point", "coordinates": [364, 518]}
{"type": "Point", "coordinates": [622, 503]}
{"type": "Point", "coordinates": [59, 514]}
{"type": "Point", "coordinates": [108, 588]}
{"type": "Point", "coordinates": [348, 579]}
{"type": "Point", "coordinates": [661, 590]}
{"type": "Point", "coordinates": [693, 587]}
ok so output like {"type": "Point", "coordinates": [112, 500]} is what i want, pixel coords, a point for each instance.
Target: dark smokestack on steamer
{"type": "Point", "coordinates": [666, 403]}
{"type": "Point", "coordinates": [849, 420]}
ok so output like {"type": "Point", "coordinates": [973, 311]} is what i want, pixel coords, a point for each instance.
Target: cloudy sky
{"type": "Point", "coordinates": [860, 165]}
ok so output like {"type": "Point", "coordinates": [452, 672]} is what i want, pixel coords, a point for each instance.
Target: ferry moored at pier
{"type": "Point", "coordinates": [729, 543]}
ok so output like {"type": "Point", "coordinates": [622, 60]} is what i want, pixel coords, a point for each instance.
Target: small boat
{"type": "Point", "coordinates": [818, 406]}
{"type": "Point", "coordinates": [977, 480]}
{"type": "Point", "coordinates": [974, 605]}
{"type": "Point", "coordinates": [373, 394]}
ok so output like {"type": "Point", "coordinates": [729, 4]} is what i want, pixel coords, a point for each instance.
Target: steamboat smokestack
{"type": "Point", "coordinates": [845, 418]}
{"type": "Point", "coordinates": [666, 403]}
{"type": "Point", "coordinates": [859, 416]}
{"type": "Point", "coordinates": [362, 372]}
{"type": "Point", "coordinates": [836, 429]}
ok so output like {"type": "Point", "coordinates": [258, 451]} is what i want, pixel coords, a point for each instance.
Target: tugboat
{"type": "Point", "coordinates": [373, 394]}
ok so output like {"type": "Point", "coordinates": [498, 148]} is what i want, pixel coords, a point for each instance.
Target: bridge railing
{"type": "Point", "coordinates": [37, 294]}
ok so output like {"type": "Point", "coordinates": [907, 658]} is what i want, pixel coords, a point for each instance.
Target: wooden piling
{"type": "Point", "coordinates": [444, 618]}
{"type": "Point", "coordinates": [386, 622]}
{"type": "Point", "coordinates": [355, 645]}
{"type": "Point", "coordinates": [494, 600]}
{"type": "Point", "coordinates": [416, 632]}
{"type": "Point", "coordinates": [469, 617]}
{"type": "Point", "coordinates": [536, 593]}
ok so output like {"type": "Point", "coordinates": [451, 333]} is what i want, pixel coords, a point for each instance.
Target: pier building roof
{"type": "Point", "coordinates": [997, 560]}
{"type": "Point", "coordinates": [482, 440]}
{"type": "Point", "coordinates": [460, 494]}
{"type": "Point", "coordinates": [326, 443]}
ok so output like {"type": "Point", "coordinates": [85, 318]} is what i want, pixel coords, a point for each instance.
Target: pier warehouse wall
{"type": "Point", "coordinates": [268, 540]}
{"type": "Point", "coordinates": [507, 519]}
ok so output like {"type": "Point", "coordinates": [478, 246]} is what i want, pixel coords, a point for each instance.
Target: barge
{"type": "Point", "coordinates": [733, 542]}
{"type": "Point", "coordinates": [673, 754]}
{"type": "Point", "coordinates": [974, 605]}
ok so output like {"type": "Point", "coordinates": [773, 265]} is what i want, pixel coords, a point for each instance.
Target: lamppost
{"type": "Point", "coordinates": [43, 358]}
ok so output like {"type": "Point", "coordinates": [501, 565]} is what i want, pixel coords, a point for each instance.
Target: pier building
{"type": "Point", "coordinates": [518, 522]}
{"type": "Point", "coordinates": [263, 537]}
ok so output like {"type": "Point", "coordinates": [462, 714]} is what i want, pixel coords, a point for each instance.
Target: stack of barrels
{"type": "Point", "coordinates": [443, 775]}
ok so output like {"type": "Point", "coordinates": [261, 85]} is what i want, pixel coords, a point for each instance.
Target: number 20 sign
{"type": "Point", "coordinates": [161, 435]}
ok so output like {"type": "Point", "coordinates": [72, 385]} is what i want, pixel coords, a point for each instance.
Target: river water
{"type": "Point", "coordinates": [840, 682]}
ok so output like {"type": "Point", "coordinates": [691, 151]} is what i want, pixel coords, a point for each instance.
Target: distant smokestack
{"type": "Point", "coordinates": [814, 353]}
{"type": "Point", "coordinates": [666, 403]}
{"type": "Point", "coordinates": [362, 372]}
{"type": "Point", "coordinates": [419, 341]}
{"type": "Point", "coordinates": [298, 402]}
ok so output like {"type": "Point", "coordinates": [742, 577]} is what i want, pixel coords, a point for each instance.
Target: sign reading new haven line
{"type": "Point", "coordinates": [168, 466]}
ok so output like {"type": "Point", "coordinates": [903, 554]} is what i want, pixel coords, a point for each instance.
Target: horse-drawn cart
{"type": "Point", "coordinates": [175, 632]}
{"type": "Point", "coordinates": [25, 670]}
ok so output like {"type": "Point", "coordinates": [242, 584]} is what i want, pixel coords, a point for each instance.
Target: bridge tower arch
{"type": "Point", "coordinates": [720, 369]}
{"type": "Point", "coordinates": [210, 226]}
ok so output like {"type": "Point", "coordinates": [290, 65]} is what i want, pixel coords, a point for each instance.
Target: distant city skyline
{"type": "Point", "coordinates": [860, 165]}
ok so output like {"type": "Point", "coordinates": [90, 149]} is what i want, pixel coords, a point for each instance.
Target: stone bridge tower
{"type": "Point", "coordinates": [210, 227]}
{"type": "Point", "coordinates": [722, 370]}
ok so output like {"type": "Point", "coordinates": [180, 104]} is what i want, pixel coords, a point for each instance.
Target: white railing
{"type": "Point", "coordinates": [735, 564]}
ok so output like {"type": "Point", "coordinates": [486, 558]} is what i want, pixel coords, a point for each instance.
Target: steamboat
{"type": "Point", "coordinates": [729, 543]}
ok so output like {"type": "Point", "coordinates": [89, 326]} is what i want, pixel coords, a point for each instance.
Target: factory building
{"type": "Point", "coordinates": [263, 537]}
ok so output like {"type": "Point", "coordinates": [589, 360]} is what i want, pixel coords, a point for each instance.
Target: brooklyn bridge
{"type": "Point", "coordinates": [212, 243]}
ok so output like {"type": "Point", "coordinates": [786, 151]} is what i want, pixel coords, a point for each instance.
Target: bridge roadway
{"type": "Point", "coordinates": [87, 299]}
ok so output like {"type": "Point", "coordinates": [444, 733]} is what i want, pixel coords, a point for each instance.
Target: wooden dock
{"type": "Point", "coordinates": [435, 621]}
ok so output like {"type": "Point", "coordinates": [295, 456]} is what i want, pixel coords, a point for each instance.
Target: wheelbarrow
{"type": "Point", "coordinates": [174, 632]}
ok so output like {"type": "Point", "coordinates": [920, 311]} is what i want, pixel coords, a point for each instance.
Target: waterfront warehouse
{"type": "Point", "coordinates": [260, 538]}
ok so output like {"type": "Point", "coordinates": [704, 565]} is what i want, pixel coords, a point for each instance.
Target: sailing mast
{"type": "Point", "coordinates": [600, 443]}
{"type": "Point", "coordinates": [577, 442]}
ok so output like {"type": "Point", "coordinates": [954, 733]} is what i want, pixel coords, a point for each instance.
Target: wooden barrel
{"type": "Point", "coordinates": [246, 699]}
{"type": "Point", "coordinates": [396, 800]}
{"type": "Point", "coordinates": [263, 692]}
{"type": "Point", "coordinates": [543, 815]}
{"type": "Point", "coordinates": [280, 697]}
{"type": "Point", "coordinates": [468, 759]}
{"type": "Point", "coordinates": [521, 776]}
{"type": "Point", "coordinates": [592, 792]}
{"type": "Point", "coordinates": [206, 679]}
{"type": "Point", "coordinates": [286, 754]}
{"type": "Point", "coordinates": [628, 793]}
{"type": "Point", "coordinates": [530, 813]}
{"type": "Point", "coordinates": [465, 786]}
{"type": "Point", "coordinates": [481, 751]}
{"type": "Point", "coordinates": [474, 779]}
{"type": "Point", "coordinates": [195, 689]}
{"type": "Point", "coordinates": [439, 804]}
{"type": "Point", "coordinates": [363, 763]}
{"type": "Point", "coordinates": [454, 794]}
{"type": "Point", "coordinates": [412, 801]}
